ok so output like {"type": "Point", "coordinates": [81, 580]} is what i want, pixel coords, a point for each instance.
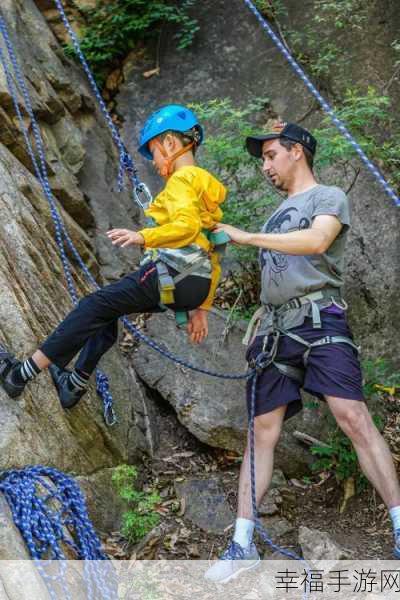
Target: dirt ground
{"type": "Point", "coordinates": [364, 528]}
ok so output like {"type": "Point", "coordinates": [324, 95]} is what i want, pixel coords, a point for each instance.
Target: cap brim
{"type": "Point", "coordinates": [254, 143]}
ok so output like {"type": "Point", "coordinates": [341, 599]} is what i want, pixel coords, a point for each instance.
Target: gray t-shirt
{"type": "Point", "coordinates": [286, 276]}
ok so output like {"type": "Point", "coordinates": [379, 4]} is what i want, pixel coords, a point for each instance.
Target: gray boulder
{"type": "Point", "coordinates": [214, 409]}
{"type": "Point", "coordinates": [319, 546]}
{"type": "Point", "coordinates": [205, 504]}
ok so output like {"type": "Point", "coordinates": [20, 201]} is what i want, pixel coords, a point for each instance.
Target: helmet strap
{"type": "Point", "coordinates": [168, 167]}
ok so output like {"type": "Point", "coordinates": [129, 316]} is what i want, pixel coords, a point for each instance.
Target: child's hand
{"type": "Point", "coordinates": [125, 237]}
{"type": "Point", "coordinates": [198, 325]}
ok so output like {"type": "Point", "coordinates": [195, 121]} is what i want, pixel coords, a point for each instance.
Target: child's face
{"type": "Point", "coordinates": [158, 154]}
{"type": "Point", "coordinates": [162, 150]}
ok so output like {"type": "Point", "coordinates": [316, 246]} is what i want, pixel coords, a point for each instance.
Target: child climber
{"type": "Point", "coordinates": [180, 271]}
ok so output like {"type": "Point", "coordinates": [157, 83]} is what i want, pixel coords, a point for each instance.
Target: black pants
{"type": "Point", "coordinates": [92, 326]}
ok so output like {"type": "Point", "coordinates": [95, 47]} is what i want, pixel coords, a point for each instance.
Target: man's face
{"type": "Point", "coordinates": [278, 163]}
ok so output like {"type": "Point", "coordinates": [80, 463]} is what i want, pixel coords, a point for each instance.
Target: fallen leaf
{"type": "Point", "coordinates": [186, 454]}
{"type": "Point", "coordinates": [182, 509]}
{"type": "Point", "coordinates": [148, 74]}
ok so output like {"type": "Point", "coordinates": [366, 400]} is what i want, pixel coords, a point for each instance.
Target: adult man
{"type": "Point", "coordinates": [301, 256]}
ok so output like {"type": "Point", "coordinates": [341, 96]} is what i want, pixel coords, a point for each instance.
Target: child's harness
{"type": "Point", "coordinates": [167, 283]}
{"type": "Point", "coordinates": [318, 300]}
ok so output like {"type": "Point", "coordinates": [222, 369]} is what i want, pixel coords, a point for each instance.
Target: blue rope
{"type": "Point", "coordinates": [49, 509]}
{"type": "Point", "coordinates": [324, 104]}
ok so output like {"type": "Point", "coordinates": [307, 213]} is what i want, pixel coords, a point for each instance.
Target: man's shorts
{"type": "Point", "coordinates": [332, 369]}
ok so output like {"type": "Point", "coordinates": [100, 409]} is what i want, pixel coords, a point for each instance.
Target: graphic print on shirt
{"type": "Point", "coordinates": [284, 221]}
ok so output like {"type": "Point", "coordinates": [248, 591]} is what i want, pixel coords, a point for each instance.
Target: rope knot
{"type": "Point", "coordinates": [103, 390]}
{"type": "Point", "coordinates": [261, 362]}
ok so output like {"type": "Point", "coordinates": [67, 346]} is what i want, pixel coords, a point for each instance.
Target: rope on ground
{"type": "Point", "coordinates": [50, 511]}
{"type": "Point", "coordinates": [324, 104]}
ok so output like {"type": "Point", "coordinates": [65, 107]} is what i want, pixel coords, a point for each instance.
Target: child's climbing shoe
{"type": "Point", "coordinates": [396, 549]}
{"type": "Point", "coordinates": [8, 364]}
{"type": "Point", "coordinates": [68, 394]}
{"type": "Point", "coordinates": [232, 562]}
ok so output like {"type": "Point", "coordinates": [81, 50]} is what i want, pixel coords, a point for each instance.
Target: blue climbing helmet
{"type": "Point", "coordinates": [172, 117]}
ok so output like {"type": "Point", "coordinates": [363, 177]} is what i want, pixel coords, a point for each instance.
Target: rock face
{"type": "Point", "coordinates": [33, 296]}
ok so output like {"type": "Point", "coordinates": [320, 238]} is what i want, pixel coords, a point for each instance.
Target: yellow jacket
{"type": "Point", "coordinates": [188, 204]}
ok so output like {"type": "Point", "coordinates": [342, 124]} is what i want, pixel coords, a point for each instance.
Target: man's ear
{"type": "Point", "coordinates": [298, 152]}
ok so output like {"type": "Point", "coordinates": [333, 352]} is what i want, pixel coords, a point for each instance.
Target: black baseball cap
{"type": "Point", "coordinates": [289, 131]}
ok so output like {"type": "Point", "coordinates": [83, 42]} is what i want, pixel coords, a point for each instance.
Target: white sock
{"type": "Point", "coordinates": [395, 516]}
{"type": "Point", "coordinates": [243, 535]}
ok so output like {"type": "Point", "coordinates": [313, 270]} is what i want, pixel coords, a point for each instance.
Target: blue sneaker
{"type": "Point", "coordinates": [232, 562]}
{"type": "Point", "coordinates": [396, 549]}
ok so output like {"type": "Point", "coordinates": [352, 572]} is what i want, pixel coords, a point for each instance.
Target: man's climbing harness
{"type": "Point", "coordinates": [324, 104]}
{"type": "Point", "coordinates": [50, 511]}
{"type": "Point", "coordinates": [317, 301]}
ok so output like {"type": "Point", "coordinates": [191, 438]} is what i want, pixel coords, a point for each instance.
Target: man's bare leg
{"type": "Point", "coordinates": [267, 429]}
{"type": "Point", "coordinates": [241, 553]}
{"type": "Point", "coordinates": [373, 453]}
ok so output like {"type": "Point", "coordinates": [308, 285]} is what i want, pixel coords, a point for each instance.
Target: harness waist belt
{"type": "Point", "coordinates": [315, 299]}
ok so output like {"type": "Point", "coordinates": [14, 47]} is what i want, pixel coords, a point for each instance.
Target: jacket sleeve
{"type": "Point", "coordinates": [184, 223]}
{"type": "Point", "coordinates": [215, 277]}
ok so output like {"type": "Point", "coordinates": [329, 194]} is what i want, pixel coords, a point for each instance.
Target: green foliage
{"type": "Point", "coordinates": [140, 517]}
{"type": "Point", "coordinates": [342, 14]}
{"type": "Point", "coordinates": [322, 47]}
{"type": "Point", "coordinates": [114, 28]}
{"type": "Point", "coordinates": [365, 114]}
{"type": "Point", "coordinates": [271, 8]}
{"type": "Point", "coordinates": [379, 372]}
{"type": "Point", "coordinates": [340, 457]}
{"type": "Point", "coordinates": [249, 201]}
{"type": "Point", "coordinates": [316, 46]}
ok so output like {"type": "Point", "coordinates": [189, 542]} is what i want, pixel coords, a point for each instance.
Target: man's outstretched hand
{"type": "Point", "coordinates": [198, 325]}
{"type": "Point", "coordinates": [237, 235]}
